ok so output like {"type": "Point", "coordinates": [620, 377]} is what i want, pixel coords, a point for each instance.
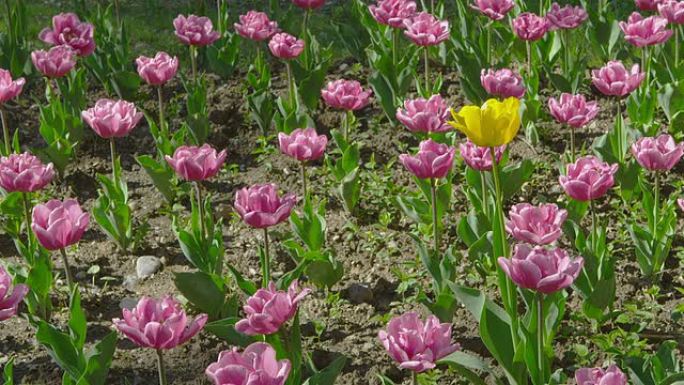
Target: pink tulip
{"type": "Point", "coordinates": [346, 95]}
{"type": "Point", "coordinates": [195, 30]}
{"type": "Point", "coordinates": [425, 115]}
{"type": "Point", "coordinates": [68, 30]}
{"type": "Point", "coordinates": [573, 110]}
{"type": "Point", "coordinates": [260, 206]}
{"type": "Point", "coordinates": [268, 309]}
{"type": "Point", "coordinates": [613, 79]}
{"type": "Point", "coordinates": [643, 32]}
{"type": "Point", "coordinates": [157, 70]}
{"type": "Point", "coordinates": [502, 83]}
{"type": "Point", "coordinates": [680, 202]}
{"type": "Point", "coordinates": [658, 154]}
{"type": "Point", "coordinates": [285, 46]}
{"type": "Point", "coordinates": [672, 10]}
{"type": "Point", "coordinates": [588, 178]}
{"type": "Point", "coordinates": [433, 160]}
{"type": "Point", "coordinates": [494, 9]}
{"type": "Point", "coordinates": [479, 158]}
{"type": "Point", "coordinates": [529, 26]}
{"type": "Point", "coordinates": [24, 173]}
{"type": "Point", "coordinates": [596, 376]}
{"type": "Point", "coordinates": [393, 12]}
{"type": "Point", "coordinates": [257, 365]}
{"type": "Point", "coordinates": [195, 164]}
{"type": "Point", "coordinates": [58, 224]}
{"type": "Point", "coordinates": [9, 89]}
{"type": "Point", "coordinates": [308, 4]}
{"type": "Point", "coordinates": [567, 17]}
{"type": "Point", "coordinates": [426, 30]}
{"type": "Point", "coordinates": [10, 298]}
{"type": "Point", "coordinates": [158, 324]}
{"type": "Point", "coordinates": [256, 26]}
{"type": "Point", "coordinates": [54, 63]}
{"type": "Point", "coordinates": [303, 145]}
{"type": "Point", "coordinates": [538, 225]}
{"type": "Point", "coordinates": [112, 118]}
{"type": "Point", "coordinates": [417, 345]}
{"type": "Point", "coordinates": [540, 269]}
{"type": "Point", "coordinates": [647, 5]}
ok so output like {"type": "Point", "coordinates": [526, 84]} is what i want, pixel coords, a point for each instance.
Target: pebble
{"type": "Point", "coordinates": [147, 265]}
{"type": "Point", "coordinates": [128, 303]}
{"type": "Point", "coordinates": [130, 282]}
{"type": "Point", "coordinates": [358, 293]}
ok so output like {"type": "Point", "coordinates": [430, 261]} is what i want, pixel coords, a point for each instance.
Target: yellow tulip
{"type": "Point", "coordinates": [494, 124]}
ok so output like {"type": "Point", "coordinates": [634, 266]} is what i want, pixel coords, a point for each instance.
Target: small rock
{"type": "Point", "coordinates": [358, 293]}
{"type": "Point", "coordinates": [128, 303]}
{"type": "Point", "coordinates": [130, 282]}
{"type": "Point", "coordinates": [147, 265]}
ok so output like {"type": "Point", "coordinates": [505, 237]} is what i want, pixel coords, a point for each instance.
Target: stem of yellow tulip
{"type": "Point", "coordinates": [507, 287]}
{"type": "Point", "coordinates": [485, 203]}
{"type": "Point", "coordinates": [435, 224]}
{"type": "Point", "coordinates": [160, 367]}
{"type": "Point", "coordinates": [67, 269]}
{"type": "Point", "coordinates": [267, 261]}
{"type": "Point", "coordinates": [5, 131]}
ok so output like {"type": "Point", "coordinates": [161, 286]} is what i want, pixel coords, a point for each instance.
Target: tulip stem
{"type": "Point", "coordinates": [565, 36]}
{"type": "Point", "coordinates": [5, 131]}
{"type": "Point", "coordinates": [677, 31]}
{"type": "Point", "coordinates": [160, 97]}
{"type": "Point", "coordinates": [593, 227]}
{"type": "Point", "coordinates": [427, 71]}
{"type": "Point", "coordinates": [112, 150]}
{"type": "Point", "coordinates": [291, 85]}
{"type": "Point", "coordinates": [305, 37]}
{"type": "Point", "coordinates": [27, 213]}
{"type": "Point", "coordinates": [200, 208]}
{"type": "Point", "coordinates": [117, 12]}
{"type": "Point", "coordinates": [485, 203]}
{"type": "Point", "coordinates": [656, 197]}
{"type": "Point", "coordinates": [435, 224]}
{"type": "Point", "coordinates": [618, 126]}
{"type": "Point", "coordinates": [193, 62]}
{"type": "Point", "coordinates": [67, 269]}
{"type": "Point", "coordinates": [540, 336]}
{"type": "Point", "coordinates": [508, 292]}
{"type": "Point", "coordinates": [160, 367]}
{"type": "Point", "coordinates": [304, 179]}
{"type": "Point", "coordinates": [572, 144]}
{"type": "Point", "coordinates": [345, 126]}
{"type": "Point", "coordinates": [395, 46]}
{"type": "Point", "coordinates": [528, 48]}
{"type": "Point", "coordinates": [414, 378]}
{"type": "Point", "coordinates": [267, 260]}
{"type": "Point", "coordinates": [488, 54]}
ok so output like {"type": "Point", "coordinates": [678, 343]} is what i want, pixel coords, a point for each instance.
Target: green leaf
{"type": "Point", "coordinates": [99, 360]}
{"type": "Point", "coordinates": [61, 349]}
{"type": "Point", "coordinates": [328, 375]}
{"type": "Point", "coordinates": [161, 174]}
{"type": "Point", "coordinates": [202, 290]}
{"type": "Point", "coordinates": [225, 330]}
{"type": "Point", "coordinates": [77, 319]}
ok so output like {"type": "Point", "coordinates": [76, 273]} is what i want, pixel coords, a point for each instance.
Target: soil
{"type": "Point", "coordinates": [374, 256]}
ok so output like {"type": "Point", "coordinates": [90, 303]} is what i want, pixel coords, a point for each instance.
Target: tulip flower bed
{"type": "Point", "coordinates": [315, 192]}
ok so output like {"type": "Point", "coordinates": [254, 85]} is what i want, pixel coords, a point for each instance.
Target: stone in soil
{"type": "Point", "coordinates": [147, 265]}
